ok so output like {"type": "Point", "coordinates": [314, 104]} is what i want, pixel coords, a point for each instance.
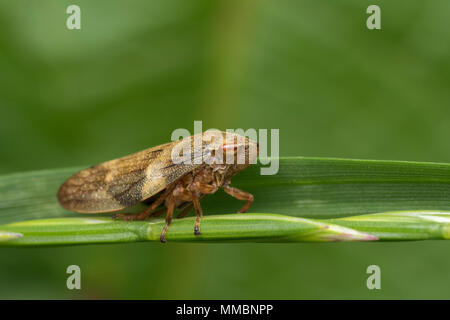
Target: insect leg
{"type": "Point", "coordinates": [187, 208]}
{"type": "Point", "coordinates": [170, 207]}
{"type": "Point", "coordinates": [158, 213]}
{"type": "Point", "coordinates": [240, 195]}
{"type": "Point", "coordinates": [205, 188]}
{"type": "Point", "coordinates": [198, 211]}
{"type": "Point", "coordinates": [200, 188]}
{"type": "Point", "coordinates": [147, 212]}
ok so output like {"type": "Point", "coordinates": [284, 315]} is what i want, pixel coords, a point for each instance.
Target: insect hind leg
{"type": "Point", "coordinates": [147, 212]}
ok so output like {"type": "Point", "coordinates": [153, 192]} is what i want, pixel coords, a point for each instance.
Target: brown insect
{"type": "Point", "coordinates": [167, 177]}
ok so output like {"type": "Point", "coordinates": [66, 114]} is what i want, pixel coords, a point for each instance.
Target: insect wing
{"type": "Point", "coordinates": [123, 182]}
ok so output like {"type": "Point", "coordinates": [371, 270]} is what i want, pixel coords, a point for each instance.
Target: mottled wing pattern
{"type": "Point", "coordinates": [122, 182]}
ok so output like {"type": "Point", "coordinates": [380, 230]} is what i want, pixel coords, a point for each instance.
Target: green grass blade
{"type": "Point", "coordinates": [333, 197]}
{"type": "Point", "coordinates": [390, 226]}
{"type": "Point", "coordinates": [229, 228]}
{"type": "Point", "coordinates": [304, 187]}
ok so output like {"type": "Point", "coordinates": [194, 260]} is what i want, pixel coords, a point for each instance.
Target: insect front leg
{"type": "Point", "coordinates": [240, 195]}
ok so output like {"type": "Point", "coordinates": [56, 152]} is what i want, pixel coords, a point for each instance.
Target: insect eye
{"type": "Point", "coordinates": [229, 147]}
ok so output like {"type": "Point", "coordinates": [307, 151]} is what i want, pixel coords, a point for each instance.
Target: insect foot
{"type": "Point", "coordinates": [197, 231]}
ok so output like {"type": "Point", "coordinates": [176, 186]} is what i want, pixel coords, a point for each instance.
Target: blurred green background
{"type": "Point", "coordinates": [138, 70]}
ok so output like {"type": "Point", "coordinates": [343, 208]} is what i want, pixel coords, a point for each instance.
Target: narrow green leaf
{"type": "Point", "coordinates": [303, 187]}
{"type": "Point", "coordinates": [230, 228]}
{"type": "Point", "coordinates": [337, 200]}
{"type": "Point", "coordinates": [388, 226]}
